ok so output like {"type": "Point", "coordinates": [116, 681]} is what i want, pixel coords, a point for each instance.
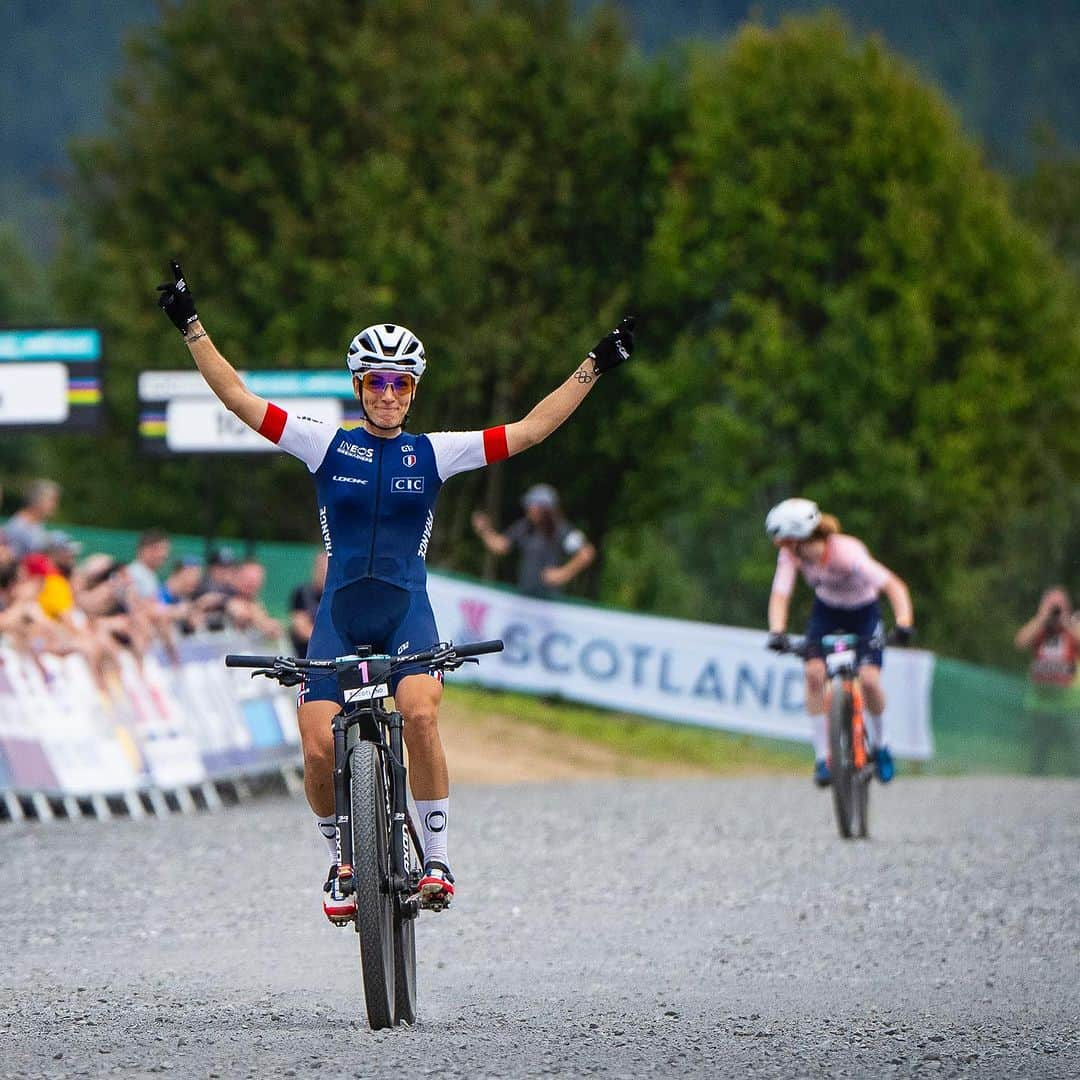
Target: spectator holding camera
{"type": "Point", "coordinates": [1050, 635]}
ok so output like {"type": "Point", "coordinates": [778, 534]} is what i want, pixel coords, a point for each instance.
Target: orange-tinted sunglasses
{"type": "Point", "coordinates": [375, 382]}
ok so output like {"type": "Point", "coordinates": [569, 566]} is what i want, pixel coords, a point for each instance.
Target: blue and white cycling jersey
{"type": "Point", "coordinates": [376, 501]}
{"type": "Point", "coordinates": [376, 497]}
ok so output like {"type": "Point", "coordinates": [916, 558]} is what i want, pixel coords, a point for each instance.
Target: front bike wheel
{"type": "Point", "coordinates": [374, 902]}
{"type": "Point", "coordinates": [842, 763]}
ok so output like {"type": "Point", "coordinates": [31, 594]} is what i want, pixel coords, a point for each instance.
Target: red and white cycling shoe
{"type": "Point", "coordinates": [436, 886]}
{"type": "Point", "coordinates": [338, 908]}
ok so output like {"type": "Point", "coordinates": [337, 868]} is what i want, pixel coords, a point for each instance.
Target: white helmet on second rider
{"type": "Point", "coordinates": [386, 347]}
{"type": "Point", "coordinates": [793, 519]}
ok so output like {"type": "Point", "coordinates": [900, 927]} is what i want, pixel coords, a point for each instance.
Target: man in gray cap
{"type": "Point", "coordinates": [551, 551]}
{"type": "Point", "coordinates": [27, 530]}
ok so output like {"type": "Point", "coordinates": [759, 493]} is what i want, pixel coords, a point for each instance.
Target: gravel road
{"type": "Point", "coordinates": [626, 928]}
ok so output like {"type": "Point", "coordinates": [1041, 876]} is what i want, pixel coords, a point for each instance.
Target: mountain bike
{"type": "Point", "coordinates": [380, 855]}
{"type": "Point", "coordinates": [851, 757]}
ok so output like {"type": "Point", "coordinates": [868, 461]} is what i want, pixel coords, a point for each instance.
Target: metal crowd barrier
{"type": "Point", "coordinates": [167, 735]}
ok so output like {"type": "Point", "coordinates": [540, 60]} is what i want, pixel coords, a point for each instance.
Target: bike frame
{"type": "Point", "coordinates": [364, 719]}
{"type": "Point", "coordinates": [841, 662]}
{"type": "Point", "coordinates": [387, 936]}
{"type": "Point", "coordinates": [364, 680]}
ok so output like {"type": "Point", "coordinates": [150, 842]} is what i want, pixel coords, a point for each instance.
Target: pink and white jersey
{"type": "Point", "coordinates": [848, 577]}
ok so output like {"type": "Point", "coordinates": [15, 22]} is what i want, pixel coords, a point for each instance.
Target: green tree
{"type": "Point", "coordinates": [854, 314]}
{"type": "Point", "coordinates": [466, 168]}
{"type": "Point", "coordinates": [1049, 196]}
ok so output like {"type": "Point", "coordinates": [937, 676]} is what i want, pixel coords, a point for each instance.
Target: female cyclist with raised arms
{"type": "Point", "coordinates": [376, 487]}
{"type": "Point", "coordinates": [846, 581]}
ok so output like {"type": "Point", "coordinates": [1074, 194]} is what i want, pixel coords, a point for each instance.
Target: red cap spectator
{"type": "Point", "coordinates": [38, 565]}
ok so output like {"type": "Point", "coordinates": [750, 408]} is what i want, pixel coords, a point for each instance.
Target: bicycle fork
{"type": "Point", "coordinates": [858, 729]}
{"type": "Point", "coordinates": [342, 804]}
{"type": "Point", "coordinates": [400, 840]}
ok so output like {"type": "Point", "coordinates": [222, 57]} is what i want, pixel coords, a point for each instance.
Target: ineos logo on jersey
{"type": "Point", "coordinates": [350, 479]}
{"type": "Point", "coordinates": [361, 453]}
{"type": "Point", "coordinates": [409, 460]}
{"type": "Point", "coordinates": [411, 484]}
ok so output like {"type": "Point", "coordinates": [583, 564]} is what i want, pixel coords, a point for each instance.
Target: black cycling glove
{"type": "Point", "coordinates": [176, 300]}
{"type": "Point", "coordinates": [614, 348]}
{"type": "Point", "coordinates": [777, 641]}
{"type": "Point", "coordinates": [901, 635]}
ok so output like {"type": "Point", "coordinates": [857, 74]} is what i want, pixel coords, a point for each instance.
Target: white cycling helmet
{"type": "Point", "coordinates": [386, 347]}
{"type": "Point", "coordinates": [793, 519]}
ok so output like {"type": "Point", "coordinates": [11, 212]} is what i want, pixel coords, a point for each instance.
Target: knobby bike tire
{"type": "Point", "coordinates": [374, 903]}
{"type": "Point", "coordinates": [841, 763]}
{"type": "Point", "coordinates": [405, 953]}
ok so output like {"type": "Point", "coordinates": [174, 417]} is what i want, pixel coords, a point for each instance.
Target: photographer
{"type": "Point", "coordinates": [1050, 635]}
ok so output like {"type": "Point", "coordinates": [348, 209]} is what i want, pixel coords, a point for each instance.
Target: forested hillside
{"type": "Point", "coordinates": [836, 296]}
{"type": "Point", "coordinates": [1006, 67]}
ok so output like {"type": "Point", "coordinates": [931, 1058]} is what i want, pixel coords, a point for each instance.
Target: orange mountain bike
{"type": "Point", "coordinates": [851, 759]}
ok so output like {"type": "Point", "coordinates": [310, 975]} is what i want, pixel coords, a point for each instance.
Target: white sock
{"type": "Point", "coordinates": [819, 736]}
{"type": "Point", "coordinates": [876, 723]}
{"type": "Point", "coordinates": [433, 817]}
{"type": "Point", "coordinates": [328, 829]}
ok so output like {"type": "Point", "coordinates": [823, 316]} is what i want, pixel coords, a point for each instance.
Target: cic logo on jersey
{"type": "Point", "coordinates": [413, 484]}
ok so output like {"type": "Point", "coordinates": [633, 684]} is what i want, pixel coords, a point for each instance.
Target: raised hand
{"type": "Point", "coordinates": [614, 348]}
{"type": "Point", "coordinates": [176, 300]}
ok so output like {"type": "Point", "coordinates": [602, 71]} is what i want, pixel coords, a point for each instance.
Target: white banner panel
{"type": "Point", "coordinates": [33, 393]}
{"type": "Point", "coordinates": [687, 672]}
{"type": "Point", "coordinates": [202, 424]}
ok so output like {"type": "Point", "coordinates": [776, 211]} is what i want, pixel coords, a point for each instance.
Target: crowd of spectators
{"type": "Point", "coordinates": [56, 599]}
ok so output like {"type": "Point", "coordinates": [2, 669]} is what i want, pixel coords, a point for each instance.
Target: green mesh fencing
{"type": "Point", "coordinates": [287, 565]}
{"type": "Point", "coordinates": [988, 720]}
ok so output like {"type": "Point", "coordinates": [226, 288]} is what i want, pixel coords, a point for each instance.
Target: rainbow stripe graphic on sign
{"type": "Point", "coordinates": [152, 425]}
{"type": "Point", "coordinates": [84, 391]}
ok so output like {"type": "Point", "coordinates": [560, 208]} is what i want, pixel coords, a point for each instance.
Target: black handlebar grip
{"type": "Point", "coordinates": [238, 660]}
{"type": "Point", "coordinates": [478, 648]}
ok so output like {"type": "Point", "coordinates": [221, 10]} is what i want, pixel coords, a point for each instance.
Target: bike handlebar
{"type": "Point", "coordinates": [479, 648]}
{"type": "Point", "coordinates": [797, 643]}
{"type": "Point", "coordinates": [239, 660]}
{"type": "Point", "coordinates": [444, 654]}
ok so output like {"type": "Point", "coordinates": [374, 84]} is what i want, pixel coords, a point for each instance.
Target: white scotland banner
{"type": "Point", "coordinates": [687, 672]}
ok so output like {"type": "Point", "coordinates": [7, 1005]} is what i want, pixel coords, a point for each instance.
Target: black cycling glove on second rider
{"type": "Point", "coordinates": [778, 641]}
{"type": "Point", "coordinates": [614, 348]}
{"type": "Point", "coordinates": [176, 300]}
